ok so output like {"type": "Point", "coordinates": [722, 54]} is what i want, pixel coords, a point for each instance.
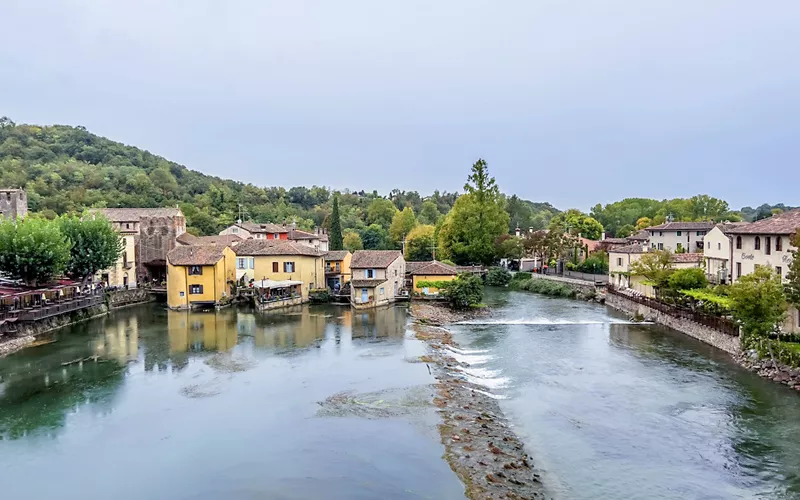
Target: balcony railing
{"type": "Point", "coordinates": [44, 311]}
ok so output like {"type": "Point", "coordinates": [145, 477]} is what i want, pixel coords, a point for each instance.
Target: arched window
{"type": "Point", "coordinates": [758, 243]}
{"type": "Point", "coordinates": [738, 243]}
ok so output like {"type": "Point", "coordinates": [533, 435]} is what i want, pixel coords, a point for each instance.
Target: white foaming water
{"type": "Point", "coordinates": [489, 394]}
{"type": "Point", "coordinates": [545, 321]}
{"type": "Point", "coordinates": [466, 351]}
{"type": "Point", "coordinates": [481, 372]}
{"type": "Point", "coordinates": [471, 359]}
{"type": "Point", "coordinates": [489, 383]}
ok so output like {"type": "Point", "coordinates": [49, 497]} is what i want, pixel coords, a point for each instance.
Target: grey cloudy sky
{"type": "Point", "coordinates": [572, 102]}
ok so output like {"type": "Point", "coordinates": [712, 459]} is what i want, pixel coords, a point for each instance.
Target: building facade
{"type": "Point", "coordinates": [199, 276]}
{"type": "Point", "coordinates": [377, 277]}
{"type": "Point", "coordinates": [13, 203]}
{"type": "Point", "coordinates": [679, 236]}
{"type": "Point", "coordinates": [262, 260]}
{"type": "Point", "coordinates": [767, 242]}
{"type": "Point", "coordinates": [424, 273]}
{"type": "Point", "coordinates": [317, 240]}
{"type": "Point", "coordinates": [337, 268]}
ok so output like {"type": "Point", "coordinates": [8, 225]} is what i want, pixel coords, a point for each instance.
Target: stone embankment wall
{"type": "Point", "coordinates": [772, 370]}
{"type": "Point", "coordinates": [727, 343]}
{"type": "Point", "coordinates": [62, 320]}
{"type": "Point", "coordinates": [122, 298]}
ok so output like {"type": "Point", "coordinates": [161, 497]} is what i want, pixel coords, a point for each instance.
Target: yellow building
{"type": "Point", "coordinates": [123, 274]}
{"type": "Point", "coordinates": [199, 275]}
{"type": "Point", "coordinates": [421, 272]}
{"type": "Point", "coordinates": [280, 261]}
{"type": "Point", "coordinates": [337, 268]}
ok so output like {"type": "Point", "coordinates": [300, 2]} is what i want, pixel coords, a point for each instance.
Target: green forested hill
{"type": "Point", "coordinates": [66, 169]}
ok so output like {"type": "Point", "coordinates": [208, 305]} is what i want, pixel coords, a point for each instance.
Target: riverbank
{"type": "Point", "coordinates": [479, 444]}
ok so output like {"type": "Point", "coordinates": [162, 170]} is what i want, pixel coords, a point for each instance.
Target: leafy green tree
{"type": "Point", "coordinates": [464, 292]}
{"type": "Point", "coordinates": [575, 222]}
{"type": "Point", "coordinates": [497, 276]}
{"type": "Point", "coordinates": [352, 241]}
{"type": "Point", "coordinates": [381, 211]}
{"type": "Point", "coordinates": [509, 247]}
{"type": "Point", "coordinates": [420, 242]}
{"type": "Point", "coordinates": [95, 245]}
{"type": "Point", "coordinates": [477, 219]}
{"type": "Point", "coordinates": [758, 302]}
{"type": "Point", "coordinates": [33, 250]}
{"type": "Point", "coordinates": [336, 238]}
{"type": "Point", "coordinates": [687, 279]}
{"type": "Point", "coordinates": [655, 266]}
{"type": "Point", "coordinates": [375, 237]}
{"type": "Point", "coordinates": [643, 222]}
{"type": "Point", "coordinates": [625, 231]}
{"type": "Point", "coordinates": [430, 213]}
{"type": "Point", "coordinates": [402, 224]}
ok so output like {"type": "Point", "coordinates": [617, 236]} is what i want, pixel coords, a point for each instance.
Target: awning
{"type": "Point", "coordinates": [270, 284]}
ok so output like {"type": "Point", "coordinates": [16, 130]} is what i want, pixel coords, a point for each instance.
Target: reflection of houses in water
{"type": "Point", "coordinates": [294, 327]}
{"type": "Point", "coordinates": [120, 340]}
{"type": "Point", "coordinates": [191, 331]}
{"type": "Point", "coordinates": [381, 322]}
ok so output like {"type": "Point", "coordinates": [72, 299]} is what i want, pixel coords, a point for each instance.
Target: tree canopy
{"type": "Point", "coordinates": [336, 238]}
{"type": "Point", "coordinates": [402, 224]}
{"type": "Point", "coordinates": [33, 250]}
{"type": "Point", "coordinates": [577, 223]}
{"type": "Point", "coordinates": [758, 302]}
{"type": "Point", "coordinates": [95, 245]}
{"type": "Point", "coordinates": [420, 242]}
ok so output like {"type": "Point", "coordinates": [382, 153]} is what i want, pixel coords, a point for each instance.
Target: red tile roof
{"type": "Point", "coordinates": [274, 247]}
{"type": "Point", "coordinates": [682, 226]}
{"type": "Point", "coordinates": [431, 268]}
{"type": "Point", "coordinates": [785, 223]}
{"type": "Point", "coordinates": [196, 255]}
{"type": "Point", "coordinates": [363, 259]}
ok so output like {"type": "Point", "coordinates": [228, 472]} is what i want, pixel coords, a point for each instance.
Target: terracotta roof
{"type": "Point", "coordinates": [225, 239]}
{"type": "Point", "coordinates": [687, 257]}
{"type": "Point", "coordinates": [136, 214]}
{"type": "Point", "coordinates": [785, 223]}
{"type": "Point", "coordinates": [336, 255]}
{"type": "Point", "coordinates": [254, 227]}
{"type": "Point", "coordinates": [635, 248]}
{"type": "Point", "coordinates": [432, 268]}
{"type": "Point", "coordinates": [296, 234]}
{"type": "Point", "coordinates": [196, 255]}
{"type": "Point", "coordinates": [615, 241]}
{"type": "Point", "coordinates": [363, 259]}
{"type": "Point", "coordinates": [682, 226]}
{"type": "Point", "coordinates": [726, 227]}
{"type": "Point", "coordinates": [412, 266]}
{"type": "Point", "coordinates": [274, 247]}
{"type": "Point", "coordinates": [642, 235]}
{"type": "Point", "coordinates": [368, 283]}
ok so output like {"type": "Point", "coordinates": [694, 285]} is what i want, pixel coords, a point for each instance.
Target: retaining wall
{"type": "Point", "coordinates": [727, 343]}
{"type": "Point", "coordinates": [122, 298]}
{"type": "Point", "coordinates": [585, 288]}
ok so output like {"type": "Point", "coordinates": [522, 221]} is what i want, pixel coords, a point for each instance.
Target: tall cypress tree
{"type": "Point", "coordinates": [336, 239]}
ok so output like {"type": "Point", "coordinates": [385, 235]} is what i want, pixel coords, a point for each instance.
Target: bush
{"type": "Point", "coordinates": [545, 287]}
{"type": "Point", "coordinates": [319, 296]}
{"type": "Point", "coordinates": [464, 292]}
{"type": "Point", "coordinates": [497, 276]}
{"type": "Point", "coordinates": [688, 279]}
{"type": "Point", "coordinates": [768, 348]}
{"type": "Point", "coordinates": [597, 263]}
{"type": "Point", "coordinates": [521, 276]}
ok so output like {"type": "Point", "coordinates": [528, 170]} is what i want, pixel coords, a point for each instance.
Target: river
{"type": "Point", "coordinates": [325, 402]}
{"type": "Point", "coordinates": [614, 410]}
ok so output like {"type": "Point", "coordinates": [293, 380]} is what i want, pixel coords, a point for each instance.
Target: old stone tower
{"type": "Point", "coordinates": [13, 203]}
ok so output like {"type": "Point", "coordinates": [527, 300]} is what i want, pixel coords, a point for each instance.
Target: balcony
{"type": "Point", "coordinates": [45, 311]}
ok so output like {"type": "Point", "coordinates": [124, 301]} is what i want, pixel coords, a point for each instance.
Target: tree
{"type": "Point", "coordinates": [381, 211]}
{"type": "Point", "coordinates": [577, 223]}
{"type": "Point", "coordinates": [95, 245]}
{"type": "Point", "coordinates": [352, 241]}
{"type": "Point", "coordinates": [420, 242]}
{"type": "Point", "coordinates": [758, 303]}
{"type": "Point", "coordinates": [336, 238]}
{"type": "Point", "coordinates": [497, 276]}
{"type": "Point", "coordinates": [402, 224]}
{"type": "Point", "coordinates": [477, 219]}
{"type": "Point", "coordinates": [375, 237]}
{"type": "Point", "coordinates": [429, 213]}
{"type": "Point", "coordinates": [625, 231]}
{"type": "Point", "coordinates": [687, 279]}
{"type": "Point", "coordinates": [32, 250]}
{"type": "Point", "coordinates": [792, 286]}
{"type": "Point", "coordinates": [655, 266]}
{"type": "Point", "coordinates": [464, 292]}
{"type": "Point", "coordinates": [509, 247]}
{"type": "Point", "coordinates": [643, 222]}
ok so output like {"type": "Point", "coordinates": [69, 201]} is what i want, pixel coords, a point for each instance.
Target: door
{"type": "Point", "coordinates": [364, 295]}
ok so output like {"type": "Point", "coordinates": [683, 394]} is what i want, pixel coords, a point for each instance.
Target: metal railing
{"type": "Point", "coordinates": [722, 325]}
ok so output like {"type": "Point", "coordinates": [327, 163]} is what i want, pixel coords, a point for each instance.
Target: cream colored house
{"type": "Point", "coordinates": [718, 252]}
{"type": "Point", "coordinates": [123, 273]}
{"type": "Point", "coordinates": [620, 260]}
{"type": "Point", "coordinates": [279, 261]}
{"type": "Point", "coordinates": [377, 277]}
{"type": "Point", "coordinates": [679, 236]}
{"type": "Point", "coordinates": [318, 240]}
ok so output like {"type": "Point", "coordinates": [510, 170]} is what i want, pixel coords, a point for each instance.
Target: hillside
{"type": "Point", "coordinates": [67, 169]}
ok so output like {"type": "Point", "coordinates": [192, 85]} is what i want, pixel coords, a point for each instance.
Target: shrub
{"type": "Point", "coordinates": [497, 276]}
{"type": "Point", "coordinates": [319, 296]}
{"type": "Point", "coordinates": [597, 263]}
{"type": "Point", "coordinates": [545, 287]}
{"type": "Point", "coordinates": [521, 276]}
{"type": "Point", "coordinates": [688, 279]}
{"type": "Point", "coordinates": [463, 292]}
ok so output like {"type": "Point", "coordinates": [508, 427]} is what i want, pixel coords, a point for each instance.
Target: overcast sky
{"type": "Point", "coordinates": [572, 102]}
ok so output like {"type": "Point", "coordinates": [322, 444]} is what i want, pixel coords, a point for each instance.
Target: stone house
{"type": "Point", "coordinates": [337, 268]}
{"type": "Point", "coordinates": [620, 260]}
{"type": "Point", "coordinates": [718, 253]}
{"type": "Point", "coordinates": [679, 236]}
{"type": "Point", "coordinates": [199, 276]}
{"type": "Point", "coordinates": [280, 262]}
{"type": "Point", "coordinates": [317, 240]}
{"type": "Point", "coordinates": [430, 271]}
{"type": "Point", "coordinates": [13, 203]}
{"type": "Point", "coordinates": [377, 277]}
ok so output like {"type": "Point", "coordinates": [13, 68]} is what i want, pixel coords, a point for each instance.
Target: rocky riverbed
{"type": "Point", "coordinates": [479, 444]}
{"type": "Point", "coordinates": [772, 370]}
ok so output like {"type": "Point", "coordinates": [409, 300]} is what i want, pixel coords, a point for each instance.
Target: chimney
{"type": "Point", "coordinates": [602, 236]}
{"type": "Point", "coordinates": [530, 229]}
{"type": "Point", "coordinates": [517, 232]}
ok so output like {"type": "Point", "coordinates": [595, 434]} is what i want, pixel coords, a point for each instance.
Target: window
{"type": "Point", "coordinates": [661, 246]}
{"type": "Point", "coordinates": [701, 233]}
{"type": "Point", "coordinates": [778, 244]}
{"type": "Point", "coordinates": [276, 236]}
{"type": "Point", "coordinates": [127, 225]}
{"type": "Point", "coordinates": [679, 233]}
{"type": "Point", "coordinates": [719, 246]}
{"type": "Point", "coordinates": [661, 233]}
{"type": "Point", "coordinates": [738, 269]}
{"type": "Point", "coordinates": [653, 245]}
{"type": "Point", "coordinates": [252, 262]}
{"type": "Point", "coordinates": [274, 267]}
{"type": "Point", "coordinates": [768, 245]}
{"type": "Point", "coordinates": [182, 294]}
{"type": "Point", "coordinates": [124, 259]}
{"type": "Point", "coordinates": [382, 292]}
{"type": "Point", "coordinates": [758, 243]}
{"type": "Point", "coordinates": [288, 267]}
{"type": "Point", "coordinates": [195, 289]}
{"type": "Point", "coordinates": [235, 230]}
{"type": "Point", "coordinates": [241, 263]}
{"type": "Point", "coordinates": [708, 244]}
{"type": "Point", "coordinates": [738, 243]}
{"type": "Point", "coordinates": [195, 270]}
{"type": "Point", "coordinates": [369, 273]}
{"type": "Point", "coordinates": [619, 261]}
{"type": "Point", "coordinates": [395, 272]}
{"type": "Point", "coordinates": [779, 270]}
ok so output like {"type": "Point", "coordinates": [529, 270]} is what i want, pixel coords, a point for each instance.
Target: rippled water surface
{"type": "Point", "coordinates": [614, 410]}
{"type": "Point", "coordinates": [309, 403]}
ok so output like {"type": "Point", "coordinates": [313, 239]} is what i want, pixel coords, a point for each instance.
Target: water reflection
{"type": "Point", "coordinates": [380, 323]}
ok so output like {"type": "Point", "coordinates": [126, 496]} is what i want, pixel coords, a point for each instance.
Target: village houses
{"type": "Point", "coordinates": [200, 275]}
{"type": "Point", "coordinates": [620, 260]}
{"type": "Point", "coordinates": [378, 277]}
{"type": "Point", "coordinates": [279, 264]}
{"type": "Point", "coordinates": [718, 252]}
{"type": "Point", "coordinates": [317, 240]}
{"type": "Point", "coordinates": [337, 268]}
{"type": "Point", "coordinates": [426, 273]}
{"type": "Point", "coordinates": [679, 236]}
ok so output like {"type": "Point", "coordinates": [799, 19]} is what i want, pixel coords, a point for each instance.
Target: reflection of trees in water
{"type": "Point", "coordinates": [382, 322]}
{"type": "Point", "coordinates": [654, 342]}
